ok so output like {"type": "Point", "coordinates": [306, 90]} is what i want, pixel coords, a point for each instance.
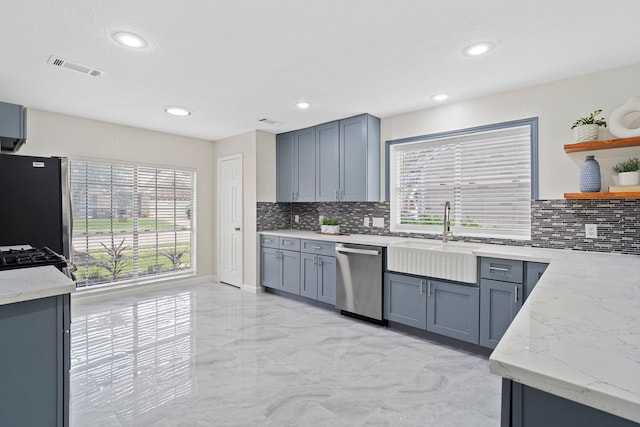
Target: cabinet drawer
{"type": "Point", "coordinates": [504, 270]}
{"type": "Point", "coordinates": [318, 247]}
{"type": "Point", "coordinates": [269, 241]}
{"type": "Point", "coordinates": [289, 243]}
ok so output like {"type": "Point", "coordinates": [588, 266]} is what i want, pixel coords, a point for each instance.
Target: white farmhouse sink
{"type": "Point", "coordinates": [451, 261]}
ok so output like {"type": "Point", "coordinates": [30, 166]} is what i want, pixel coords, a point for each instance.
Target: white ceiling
{"type": "Point", "coordinates": [235, 61]}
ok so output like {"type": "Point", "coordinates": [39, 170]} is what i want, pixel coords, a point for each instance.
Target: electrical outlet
{"type": "Point", "coordinates": [320, 218]}
{"type": "Point", "coordinates": [378, 222]}
{"type": "Point", "coordinates": [366, 221]}
{"type": "Point", "coordinates": [591, 231]}
{"type": "Point", "coordinates": [296, 218]}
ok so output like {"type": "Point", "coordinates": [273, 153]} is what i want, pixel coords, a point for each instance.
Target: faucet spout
{"type": "Point", "coordinates": [447, 234]}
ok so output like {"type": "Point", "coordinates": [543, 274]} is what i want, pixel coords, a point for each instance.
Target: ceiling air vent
{"type": "Point", "coordinates": [270, 122]}
{"type": "Point", "coordinates": [74, 66]}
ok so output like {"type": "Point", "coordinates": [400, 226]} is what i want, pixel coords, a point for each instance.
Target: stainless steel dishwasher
{"type": "Point", "coordinates": [359, 280]}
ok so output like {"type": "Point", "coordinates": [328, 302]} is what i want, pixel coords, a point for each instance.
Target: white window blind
{"type": "Point", "coordinates": [130, 222]}
{"type": "Point", "coordinates": [485, 175]}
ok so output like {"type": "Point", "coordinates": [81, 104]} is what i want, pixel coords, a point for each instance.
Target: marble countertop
{"type": "Point", "coordinates": [577, 335]}
{"type": "Point", "coordinates": [362, 239]}
{"type": "Point", "coordinates": [25, 284]}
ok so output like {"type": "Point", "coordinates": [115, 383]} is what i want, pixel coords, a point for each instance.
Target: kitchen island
{"type": "Point", "coordinates": [571, 356]}
{"type": "Point", "coordinates": [35, 356]}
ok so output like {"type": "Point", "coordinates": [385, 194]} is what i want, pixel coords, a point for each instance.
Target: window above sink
{"type": "Point", "coordinates": [488, 174]}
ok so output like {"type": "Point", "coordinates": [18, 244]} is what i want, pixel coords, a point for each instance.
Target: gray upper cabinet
{"type": "Point", "coordinates": [327, 162]}
{"type": "Point", "coordinates": [405, 300]}
{"type": "Point", "coordinates": [285, 167]}
{"type": "Point", "coordinates": [453, 310]}
{"type": "Point", "coordinates": [336, 161]}
{"type": "Point", "coordinates": [12, 126]}
{"type": "Point", "coordinates": [296, 166]}
{"type": "Point", "coordinates": [360, 159]}
{"type": "Point", "coordinates": [500, 302]}
{"type": "Point", "coordinates": [304, 175]}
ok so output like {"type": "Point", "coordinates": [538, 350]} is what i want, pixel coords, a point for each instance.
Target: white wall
{"type": "Point", "coordinates": [266, 165]}
{"type": "Point", "coordinates": [556, 104]}
{"type": "Point", "coordinates": [50, 134]}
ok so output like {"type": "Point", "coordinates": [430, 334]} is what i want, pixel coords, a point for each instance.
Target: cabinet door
{"type": "Point", "coordinates": [327, 162]}
{"type": "Point", "coordinates": [290, 271]}
{"type": "Point", "coordinates": [309, 276]}
{"type": "Point", "coordinates": [453, 310]}
{"type": "Point", "coordinates": [284, 167]}
{"type": "Point", "coordinates": [353, 159]}
{"type": "Point", "coordinates": [305, 165]}
{"type": "Point", "coordinates": [533, 272]}
{"type": "Point", "coordinates": [327, 279]}
{"type": "Point", "coordinates": [405, 300]}
{"type": "Point", "coordinates": [499, 304]}
{"type": "Point", "coordinates": [32, 357]}
{"type": "Point", "coordinates": [270, 267]}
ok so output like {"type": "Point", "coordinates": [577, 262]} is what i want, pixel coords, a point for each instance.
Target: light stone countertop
{"type": "Point", "coordinates": [23, 284]}
{"type": "Point", "coordinates": [577, 335]}
{"type": "Point", "coordinates": [362, 239]}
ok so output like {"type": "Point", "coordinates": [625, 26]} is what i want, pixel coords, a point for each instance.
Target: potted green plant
{"type": "Point", "coordinates": [586, 128]}
{"type": "Point", "coordinates": [628, 171]}
{"type": "Point", "coordinates": [330, 226]}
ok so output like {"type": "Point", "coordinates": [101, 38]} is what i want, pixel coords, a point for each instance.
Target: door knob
{"type": "Point", "coordinates": [237, 228]}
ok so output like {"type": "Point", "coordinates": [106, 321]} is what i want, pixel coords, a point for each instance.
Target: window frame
{"type": "Point", "coordinates": [138, 276]}
{"type": "Point", "coordinates": [531, 122]}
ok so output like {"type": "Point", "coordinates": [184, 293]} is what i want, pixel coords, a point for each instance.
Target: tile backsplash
{"type": "Point", "coordinates": [557, 224]}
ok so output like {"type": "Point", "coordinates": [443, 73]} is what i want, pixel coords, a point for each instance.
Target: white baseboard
{"type": "Point", "coordinates": [254, 289]}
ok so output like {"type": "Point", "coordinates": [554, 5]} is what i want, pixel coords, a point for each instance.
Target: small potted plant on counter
{"type": "Point", "coordinates": [586, 128]}
{"type": "Point", "coordinates": [330, 226]}
{"type": "Point", "coordinates": [628, 171]}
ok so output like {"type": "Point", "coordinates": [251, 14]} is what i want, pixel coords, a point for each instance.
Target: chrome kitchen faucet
{"type": "Point", "coordinates": [447, 234]}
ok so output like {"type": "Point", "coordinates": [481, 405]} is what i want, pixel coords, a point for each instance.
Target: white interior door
{"type": "Point", "coordinates": [230, 214]}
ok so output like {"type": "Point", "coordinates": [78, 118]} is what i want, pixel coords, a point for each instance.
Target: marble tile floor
{"type": "Point", "coordinates": [212, 355]}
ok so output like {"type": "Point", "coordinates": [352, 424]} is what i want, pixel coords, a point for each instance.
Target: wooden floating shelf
{"type": "Point", "coordinates": [602, 145]}
{"type": "Point", "coordinates": [602, 195]}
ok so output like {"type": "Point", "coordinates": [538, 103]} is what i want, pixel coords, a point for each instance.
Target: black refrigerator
{"type": "Point", "coordinates": [35, 207]}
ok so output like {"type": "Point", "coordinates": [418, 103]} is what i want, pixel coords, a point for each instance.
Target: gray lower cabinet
{"type": "Point", "coordinates": [500, 302]}
{"type": "Point", "coordinates": [533, 273]}
{"type": "Point", "coordinates": [318, 277]}
{"type": "Point", "coordinates": [280, 269]}
{"type": "Point", "coordinates": [524, 406]}
{"type": "Point", "coordinates": [405, 300]}
{"type": "Point", "coordinates": [35, 357]}
{"type": "Point", "coordinates": [453, 310]}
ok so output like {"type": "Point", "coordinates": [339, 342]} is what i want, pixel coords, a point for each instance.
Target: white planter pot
{"type": "Point", "coordinates": [628, 178]}
{"type": "Point", "coordinates": [330, 229]}
{"type": "Point", "coordinates": [585, 133]}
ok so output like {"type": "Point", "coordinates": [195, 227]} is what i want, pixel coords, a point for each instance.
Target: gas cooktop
{"type": "Point", "coordinates": [30, 257]}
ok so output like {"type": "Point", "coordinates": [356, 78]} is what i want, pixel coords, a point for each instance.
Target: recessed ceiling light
{"type": "Point", "coordinates": [130, 40]}
{"type": "Point", "coordinates": [303, 105]}
{"type": "Point", "coordinates": [177, 111]}
{"type": "Point", "coordinates": [478, 48]}
{"type": "Point", "coordinates": [440, 97]}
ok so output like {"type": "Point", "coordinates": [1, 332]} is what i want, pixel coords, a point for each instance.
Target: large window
{"type": "Point", "coordinates": [130, 222]}
{"type": "Point", "coordinates": [487, 174]}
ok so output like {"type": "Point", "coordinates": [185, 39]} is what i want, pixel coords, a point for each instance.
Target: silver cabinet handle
{"type": "Point", "coordinates": [287, 243]}
{"type": "Point", "coordinates": [499, 269]}
{"type": "Point", "coordinates": [429, 288]}
{"type": "Point", "coordinates": [316, 247]}
{"type": "Point", "coordinates": [315, 260]}
{"type": "Point", "coordinates": [421, 287]}
{"type": "Point", "coordinates": [515, 294]}
{"type": "Point", "coordinates": [337, 195]}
